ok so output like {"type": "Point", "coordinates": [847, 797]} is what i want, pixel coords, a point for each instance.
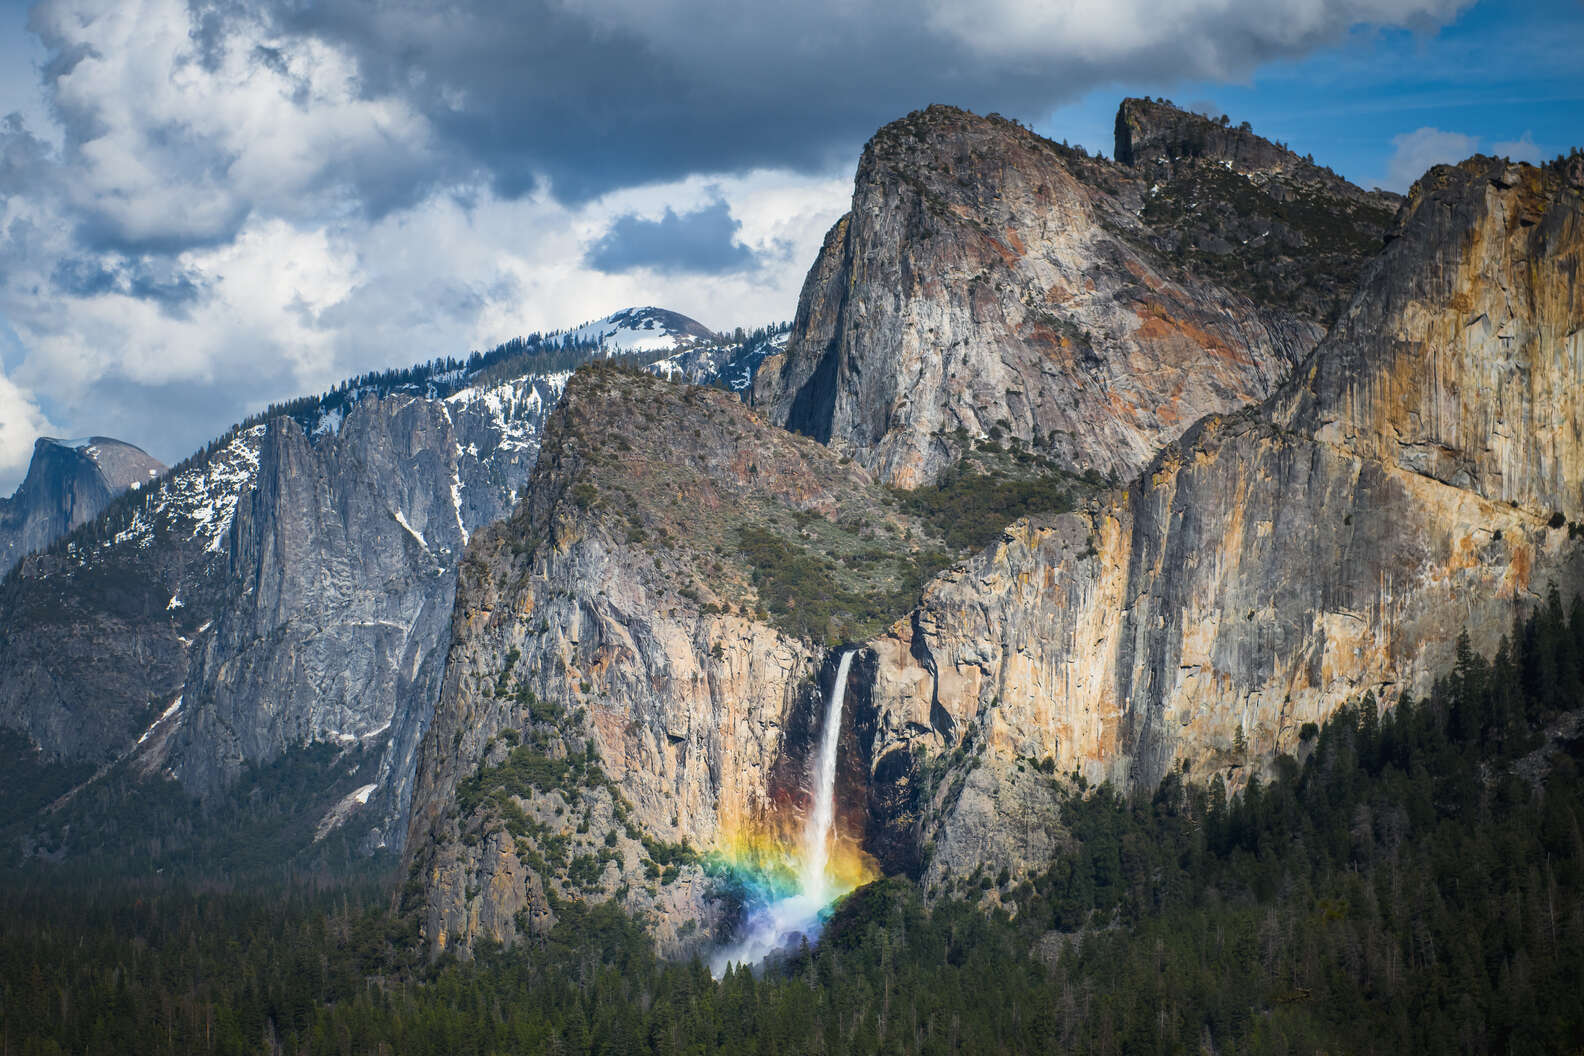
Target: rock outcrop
{"type": "Point", "coordinates": [616, 687]}
{"type": "Point", "coordinates": [991, 283]}
{"type": "Point", "coordinates": [1246, 213]}
{"type": "Point", "coordinates": [294, 582]}
{"type": "Point", "coordinates": [285, 586]}
{"type": "Point", "coordinates": [1413, 480]}
{"type": "Point", "coordinates": [68, 484]}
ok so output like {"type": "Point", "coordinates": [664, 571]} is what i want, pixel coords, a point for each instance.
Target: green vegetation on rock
{"type": "Point", "coordinates": [1414, 884]}
{"type": "Point", "coordinates": [120, 822]}
{"type": "Point", "coordinates": [971, 505]}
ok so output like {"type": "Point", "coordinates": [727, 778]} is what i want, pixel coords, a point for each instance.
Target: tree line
{"type": "Point", "coordinates": [1411, 880]}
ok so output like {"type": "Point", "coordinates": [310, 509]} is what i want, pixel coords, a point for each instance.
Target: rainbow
{"type": "Point", "coordinates": [790, 871]}
{"type": "Point", "coordinates": [767, 866]}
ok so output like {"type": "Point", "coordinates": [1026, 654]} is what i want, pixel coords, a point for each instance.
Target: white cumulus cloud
{"type": "Point", "coordinates": [1521, 149]}
{"type": "Point", "coordinates": [219, 204]}
{"type": "Point", "coordinates": [21, 422]}
{"type": "Point", "coordinates": [1415, 152]}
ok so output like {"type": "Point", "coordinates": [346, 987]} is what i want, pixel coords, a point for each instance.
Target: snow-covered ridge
{"type": "Point", "coordinates": [515, 409]}
{"type": "Point", "coordinates": [205, 498]}
{"type": "Point", "coordinates": [196, 501]}
{"type": "Point", "coordinates": [165, 715]}
{"type": "Point", "coordinates": [337, 815]}
{"type": "Point", "coordinates": [731, 366]}
{"type": "Point", "coordinates": [646, 329]}
{"type": "Point", "coordinates": [497, 404]}
{"type": "Point", "coordinates": [631, 332]}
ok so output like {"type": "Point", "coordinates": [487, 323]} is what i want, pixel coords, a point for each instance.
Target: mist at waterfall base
{"type": "Point", "coordinates": [789, 887]}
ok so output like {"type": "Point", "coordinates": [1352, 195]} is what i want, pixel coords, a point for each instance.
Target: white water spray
{"type": "Point", "coordinates": [775, 925]}
{"type": "Point", "coordinates": [821, 820]}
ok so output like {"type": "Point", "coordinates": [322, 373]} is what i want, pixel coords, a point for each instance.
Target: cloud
{"type": "Point", "coordinates": [702, 242]}
{"type": "Point", "coordinates": [588, 95]}
{"type": "Point", "coordinates": [180, 120]}
{"type": "Point", "coordinates": [152, 279]}
{"type": "Point", "coordinates": [216, 204]}
{"type": "Point", "coordinates": [24, 159]}
{"type": "Point", "coordinates": [1521, 149]}
{"type": "Point", "coordinates": [21, 422]}
{"type": "Point", "coordinates": [1413, 153]}
{"type": "Point", "coordinates": [287, 308]}
{"type": "Point", "coordinates": [175, 133]}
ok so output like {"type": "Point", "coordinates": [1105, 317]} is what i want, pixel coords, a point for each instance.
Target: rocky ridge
{"type": "Point", "coordinates": [617, 688]}
{"type": "Point", "coordinates": [68, 483]}
{"type": "Point", "coordinates": [1246, 213]}
{"type": "Point", "coordinates": [991, 283]}
{"type": "Point", "coordinates": [1417, 478]}
{"type": "Point", "coordinates": [291, 584]}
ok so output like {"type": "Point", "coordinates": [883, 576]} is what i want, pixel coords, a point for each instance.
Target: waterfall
{"type": "Point", "coordinates": [778, 923]}
{"type": "Point", "coordinates": [822, 818]}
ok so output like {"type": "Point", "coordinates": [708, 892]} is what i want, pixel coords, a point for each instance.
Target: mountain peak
{"type": "Point", "coordinates": [1091, 311]}
{"type": "Point", "coordinates": [1155, 131]}
{"type": "Point", "coordinates": [122, 465]}
{"type": "Point", "coordinates": [1150, 129]}
{"type": "Point", "coordinates": [67, 484]}
{"type": "Point", "coordinates": [642, 329]}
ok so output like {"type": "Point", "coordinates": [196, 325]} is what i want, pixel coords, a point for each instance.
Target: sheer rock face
{"type": "Point", "coordinates": [68, 483]}
{"type": "Point", "coordinates": [1467, 365]}
{"type": "Point", "coordinates": [283, 587]}
{"type": "Point", "coordinates": [1278, 562]}
{"type": "Point", "coordinates": [611, 619]}
{"type": "Point", "coordinates": [987, 279]}
{"type": "Point", "coordinates": [338, 580]}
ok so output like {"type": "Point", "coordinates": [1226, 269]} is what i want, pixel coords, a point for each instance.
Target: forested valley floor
{"type": "Point", "coordinates": [1413, 881]}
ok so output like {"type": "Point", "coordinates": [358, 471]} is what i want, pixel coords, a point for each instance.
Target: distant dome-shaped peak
{"type": "Point", "coordinates": [642, 329]}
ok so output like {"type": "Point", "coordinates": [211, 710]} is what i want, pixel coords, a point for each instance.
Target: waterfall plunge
{"type": "Point", "coordinates": [772, 926]}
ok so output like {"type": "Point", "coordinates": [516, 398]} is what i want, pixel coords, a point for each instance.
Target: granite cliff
{"type": "Point", "coordinates": [991, 283]}
{"type": "Point", "coordinates": [68, 483]}
{"type": "Point", "coordinates": [1419, 476]}
{"type": "Point", "coordinates": [628, 685]}
{"type": "Point", "coordinates": [287, 585]}
{"type": "Point", "coordinates": [293, 583]}
{"type": "Point", "coordinates": [631, 678]}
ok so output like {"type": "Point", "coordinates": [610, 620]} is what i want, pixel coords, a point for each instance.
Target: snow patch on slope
{"type": "Point", "coordinates": [338, 814]}
{"type": "Point", "coordinates": [646, 329]}
{"type": "Point", "coordinates": [168, 713]}
{"type": "Point", "coordinates": [415, 533]}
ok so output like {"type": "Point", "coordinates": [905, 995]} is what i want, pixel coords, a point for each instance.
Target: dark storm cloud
{"type": "Point", "coordinates": [150, 279]}
{"type": "Point", "coordinates": [536, 90]}
{"type": "Point", "coordinates": [601, 94]}
{"type": "Point", "coordinates": [701, 242]}
{"type": "Point", "coordinates": [588, 96]}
